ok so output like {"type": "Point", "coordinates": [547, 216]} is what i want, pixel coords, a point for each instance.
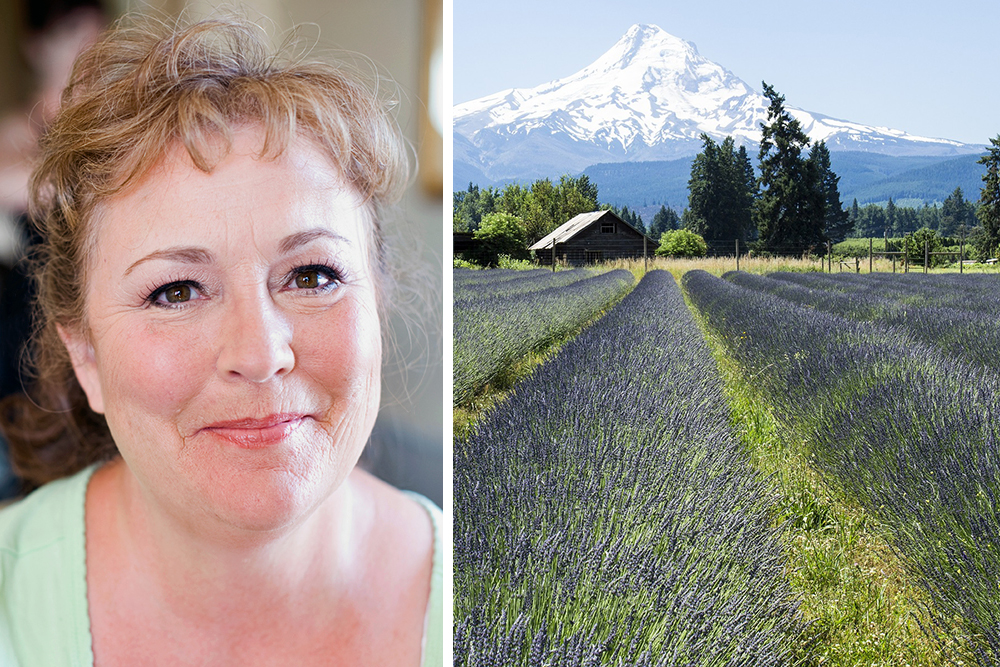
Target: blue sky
{"type": "Point", "coordinates": [928, 68]}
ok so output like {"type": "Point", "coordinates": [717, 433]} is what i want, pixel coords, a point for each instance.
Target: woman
{"type": "Point", "coordinates": [209, 361]}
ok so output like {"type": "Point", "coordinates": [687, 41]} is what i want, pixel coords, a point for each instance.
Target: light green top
{"type": "Point", "coordinates": [44, 620]}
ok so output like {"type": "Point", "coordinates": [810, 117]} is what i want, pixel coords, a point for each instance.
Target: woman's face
{"type": "Point", "coordinates": [232, 339]}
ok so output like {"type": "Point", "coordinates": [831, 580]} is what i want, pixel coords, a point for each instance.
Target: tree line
{"type": "Point", "coordinates": [539, 208]}
{"type": "Point", "coordinates": [957, 216]}
{"type": "Point", "coordinates": [795, 201]}
{"type": "Point", "coordinates": [505, 221]}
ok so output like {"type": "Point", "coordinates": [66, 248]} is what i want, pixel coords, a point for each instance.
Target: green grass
{"type": "Point", "coordinates": [854, 591]}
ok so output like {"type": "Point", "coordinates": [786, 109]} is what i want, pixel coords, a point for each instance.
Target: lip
{"type": "Point", "coordinates": [257, 433]}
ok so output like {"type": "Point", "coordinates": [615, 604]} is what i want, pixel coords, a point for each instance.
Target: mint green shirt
{"type": "Point", "coordinates": [44, 620]}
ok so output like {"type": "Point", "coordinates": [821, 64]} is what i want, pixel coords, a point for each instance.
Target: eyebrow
{"type": "Point", "coordinates": [290, 243]}
{"type": "Point", "coordinates": [194, 255]}
{"type": "Point", "coordinates": [185, 254]}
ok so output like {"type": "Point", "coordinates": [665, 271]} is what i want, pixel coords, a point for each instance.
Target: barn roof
{"type": "Point", "coordinates": [572, 227]}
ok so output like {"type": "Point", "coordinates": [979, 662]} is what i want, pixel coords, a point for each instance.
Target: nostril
{"type": "Point", "coordinates": [256, 345]}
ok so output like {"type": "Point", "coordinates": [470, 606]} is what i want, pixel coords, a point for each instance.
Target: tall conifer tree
{"type": "Point", "coordinates": [837, 224]}
{"type": "Point", "coordinates": [791, 208]}
{"type": "Point", "coordinates": [720, 198]}
{"type": "Point", "coordinates": [989, 201]}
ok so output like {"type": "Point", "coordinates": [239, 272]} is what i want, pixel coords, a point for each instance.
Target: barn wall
{"type": "Point", "coordinates": [584, 247]}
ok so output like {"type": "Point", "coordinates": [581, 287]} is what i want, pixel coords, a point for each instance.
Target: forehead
{"type": "Point", "coordinates": [244, 199]}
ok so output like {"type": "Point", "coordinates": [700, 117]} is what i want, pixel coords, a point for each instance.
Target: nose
{"type": "Point", "coordinates": [256, 341]}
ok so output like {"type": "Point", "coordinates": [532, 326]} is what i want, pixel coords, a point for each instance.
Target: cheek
{"type": "Point", "coordinates": [152, 372]}
{"type": "Point", "coordinates": [343, 354]}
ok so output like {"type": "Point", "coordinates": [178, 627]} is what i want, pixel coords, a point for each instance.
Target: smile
{"type": "Point", "coordinates": [252, 433]}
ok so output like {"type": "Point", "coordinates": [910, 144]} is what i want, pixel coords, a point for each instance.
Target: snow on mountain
{"type": "Point", "coordinates": [650, 97]}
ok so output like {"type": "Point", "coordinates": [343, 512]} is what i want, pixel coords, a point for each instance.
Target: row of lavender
{"type": "Point", "coordinates": [497, 323]}
{"type": "Point", "coordinates": [606, 513]}
{"type": "Point", "coordinates": [906, 430]}
{"type": "Point", "coordinates": [470, 284]}
{"type": "Point", "coordinates": [970, 291]}
{"type": "Point", "coordinates": [958, 314]}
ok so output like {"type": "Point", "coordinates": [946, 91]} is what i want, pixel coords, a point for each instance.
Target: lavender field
{"type": "Point", "coordinates": [607, 511]}
{"type": "Point", "coordinates": [898, 400]}
{"type": "Point", "coordinates": [501, 316]}
{"type": "Point", "coordinates": [606, 514]}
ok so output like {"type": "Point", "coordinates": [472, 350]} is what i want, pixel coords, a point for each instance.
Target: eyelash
{"type": "Point", "coordinates": [154, 296]}
{"type": "Point", "coordinates": [333, 276]}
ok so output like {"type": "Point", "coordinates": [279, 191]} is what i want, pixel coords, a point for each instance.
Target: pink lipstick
{"type": "Point", "coordinates": [254, 433]}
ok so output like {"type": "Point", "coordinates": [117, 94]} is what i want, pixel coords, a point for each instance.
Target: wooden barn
{"type": "Point", "coordinates": [593, 237]}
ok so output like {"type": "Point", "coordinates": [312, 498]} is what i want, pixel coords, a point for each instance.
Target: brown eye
{"type": "Point", "coordinates": [177, 294]}
{"type": "Point", "coordinates": [308, 279]}
{"type": "Point", "coordinates": [315, 278]}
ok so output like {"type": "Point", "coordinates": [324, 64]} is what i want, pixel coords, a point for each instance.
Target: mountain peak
{"type": "Point", "coordinates": [649, 97]}
{"type": "Point", "coordinates": [646, 44]}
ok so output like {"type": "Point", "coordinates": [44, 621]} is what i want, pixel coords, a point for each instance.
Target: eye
{"type": "Point", "coordinates": [175, 294]}
{"type": "Point", "coordinates": [315, 277]}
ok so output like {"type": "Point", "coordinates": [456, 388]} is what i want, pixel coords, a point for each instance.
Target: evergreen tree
{"type": "Point", "coordinates": [688, 220]}
{"type": "Point", "coordinates": [926, 216]}
{"type": "Point", "coordinates": [631, 217]}
{"type": "Point", "coordinates": [989, 201]}
{"type": "Point", "coordinates": [837, 224]}
{"type": "Point", "coordinates": [957, 214]}
{"type": "Point", "coordinates": [791, 209]}
{"type": "Point", "coordinates": [890, 216]}
{"type": "Point", "coordinates": [720, 200]}
{"type": "Point", "coordinates": [665, 220]}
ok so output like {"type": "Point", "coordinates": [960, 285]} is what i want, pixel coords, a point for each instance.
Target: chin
{"type": "Point", "coordinates": [270, 501]}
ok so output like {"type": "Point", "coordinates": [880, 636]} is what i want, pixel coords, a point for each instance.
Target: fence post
{"type": "Point", "coordinates": [737, 254]}
{"type": "Point", "coordinates": [829, 255]}
{"type": "Point", "coordinates": [961, 255]}
{"type": "Point", "coordinates": [871, 243]}
{"type": "Point", "coordinates": [645, 263]}
{"type": "Point", "coordinates": [927, 254]}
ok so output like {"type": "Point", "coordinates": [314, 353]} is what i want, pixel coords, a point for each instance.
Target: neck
{"type": "Point", "coordinates": [204, 571]}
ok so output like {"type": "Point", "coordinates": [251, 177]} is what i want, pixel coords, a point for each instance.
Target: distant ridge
{"type": "Point", "coordinates": [868, 177]}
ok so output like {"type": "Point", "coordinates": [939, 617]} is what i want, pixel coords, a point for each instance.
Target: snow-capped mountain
{"type": "Point", "coordinates": [650, 97]}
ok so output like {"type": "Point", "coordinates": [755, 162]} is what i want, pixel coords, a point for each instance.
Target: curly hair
{"type": "Point", "coordinates": [143, 87]}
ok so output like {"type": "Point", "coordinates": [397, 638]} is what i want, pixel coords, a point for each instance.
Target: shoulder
{"type": "Point", "coordinates": [406, 522]}
{"type": "Point", "coordinates": [405, 546]}
{"type": "Point", "coordinates": [433, 653]}
{"type": "Point", "coordinates": [41, 519]}
{"type": "Point", "coordinates": [43, 597]}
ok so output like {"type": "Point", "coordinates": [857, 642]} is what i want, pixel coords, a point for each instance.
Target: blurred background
{"type": "Point", "coordinates": [40, 38]}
